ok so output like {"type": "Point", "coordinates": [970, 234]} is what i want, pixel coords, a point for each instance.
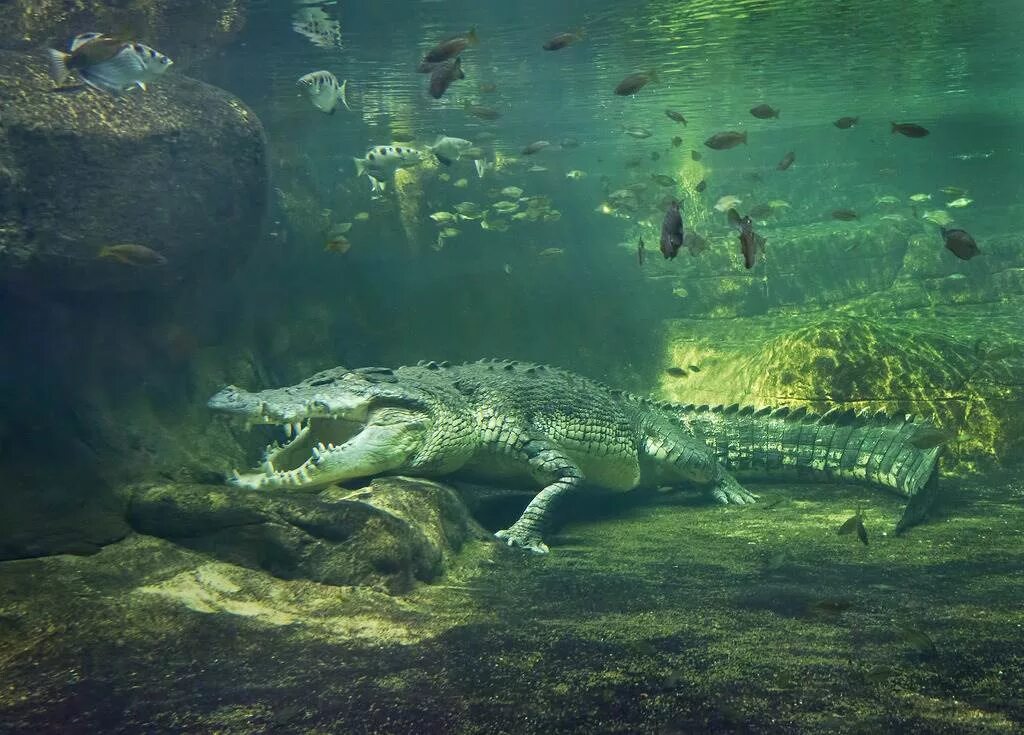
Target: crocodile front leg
{"type": "Point", "coordinates": [559, 474]}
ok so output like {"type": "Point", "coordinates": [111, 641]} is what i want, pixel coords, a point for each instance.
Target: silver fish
{"type": "Point", "coordinates": [324, 91]}
{"type": "Point", "coordinates": [381, 161]}
{"type": "Point", "coordinates": [447, 149]}
{"type": "Point", "coordinates": [108, 64]}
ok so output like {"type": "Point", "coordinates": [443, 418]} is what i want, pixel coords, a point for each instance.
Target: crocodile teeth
{"type": "Point", "coordinates": [316, 454]}
{"type": "Point", "coordinates": [268, 468]}
{"type": "Point", "coordinates": [236, 475]}
{"type": "Point", "coordinates": [297, 427]}
{"type": "Point", "coordinates": [288, 430]}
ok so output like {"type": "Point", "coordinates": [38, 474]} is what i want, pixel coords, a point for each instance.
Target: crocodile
{"type": "Point", "coordinates": [511, 422]}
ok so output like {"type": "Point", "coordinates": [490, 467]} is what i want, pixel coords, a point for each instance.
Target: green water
{"type": "Point", "coordinates": [139, 594]}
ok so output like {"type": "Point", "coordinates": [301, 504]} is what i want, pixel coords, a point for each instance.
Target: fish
{"type": "Point", "coordinates": [317, 26]}
{"type": "Point", "coordinates": [663, 180]}
{"type": "Point", "coordinates": [854, 523]}
{"type": "Point", "coordinates": [676, 141]}
{"type": "Point", "coordinates": [787, 161]}
{"type": "Point", "coordinates": [461, 184]}
{"type": "Point", "coordinates": [537, 145]}
{"type": "Point", "coordinates": [764, 112]}
{"type": "Point", "coordinates": [108, 64]}
{"type": "Point", "coordinates": [548, 252]}
{"type": "Point", "coordinates": [537, 168]}
{"type": "Point", "coordinates": [562, 40]}
{"type": "Point", "coordinates": [637, 132]}
{"type": "Point", "coordinates": [920, 197]}
{"type": "Point", "coordinates": [641, 250]}
{"type": "Point", "coordinates": [672, 231]}
{"type": "Point", "coordinates": [443, 75]}
{"type": "Point", "coordinates": [677, 116]}
{"type": "Point", "coordinates": [444, 217]}
{"type": "Point", "coordinates": [701, 186]}
{"type": "Point", "coordinates": [694, 368]}
{"type": "Point", "coordinates": [960, 243]}
{"type": "Point", "coordinates": [131, 254]}
{"type": "Point", "coordinates": [512, 191]}
{"type": "Point", "coordinates": [323, 90]}
{"type": "Point", "coordinates": [341, 229]}
{"type": "Point", "coordinates": [362, 217]}
{"type": "Point", "coordinates": [727, 202]}
{"type": "Point", "coordinates": [337, 243]}
{"type": "Point", "coordinates": [761, 211]}
{"type": "Point", "coordinates": [451, 47]}
{"type": "Point", "coordinates": [470, 210]}
{"type": "Point", "coordinates": [696, 155]}
{"type": "Point", "coordinates": [484, 113]}
{"type": "Point", "coordinates": [938, 217]}
{"type": "Point", "coordinates": [695, 244]}
{"type": "Point", "coordinates": [726, 140]}
{"type": "Point", "coordinates": [498, 224]}
{"type": "Point", "coordinates": [569, 143]}
{"type": "Point", "coordinates": [953, 191]}
{"type": "Point", "coordinates": [450, 232]}
{"type": "Point", "coordinates": [447, 150]}
{"type": "Point", "coordinates": [911, 130]}
{"type": "Point", "coordinates": [829, 607]}
{"type": "Point", "coordinates": [845, 123]}
{"type": "Point", "coordinates": [929, 437]}
{"type": "Point", "coordinates": [381, 161]}
{"type": "Point", "coordinates": [844, 214]}
{"type": "Point", "coordinates": [635, 82]}
{"type": "Point", "coordinates": [675, 372]}
{"type": "Point", "coordinates": [918, 639]}
{"type": "Point", "coordinates": [575, 174]}
{"type": "Point", "coordinates": [888, 200]}
{"type": "Point", "coordinates": [505, 207]}
{"type": "Point", "coordinates": [750, 242]}
{"type": "Point", "coordinates": [961, 202]}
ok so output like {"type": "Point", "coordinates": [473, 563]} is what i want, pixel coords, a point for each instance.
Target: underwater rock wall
{"type": "Point", "coordinates": [186, 30]}
{"type": "Point", "coordinates": [180, 170]}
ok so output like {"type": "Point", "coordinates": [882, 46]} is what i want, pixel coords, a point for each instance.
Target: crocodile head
{"type": "Point", "coordinates": [337, 425]}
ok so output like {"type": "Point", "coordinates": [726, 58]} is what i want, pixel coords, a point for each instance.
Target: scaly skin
{"type": "Point", "coordinates": [511, 422]}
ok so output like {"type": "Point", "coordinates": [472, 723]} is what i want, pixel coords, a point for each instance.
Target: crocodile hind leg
{"type": "Point", "coordinates": [686, 458]}
{"type": "Point", "coordinates": [727, 490]}
{"type": "Point", "coordinates": [560, 475]}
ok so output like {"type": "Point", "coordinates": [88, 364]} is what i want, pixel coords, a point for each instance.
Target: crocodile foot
{"type": "Point", "coordinates": [733, 493]}
{"type": "Point", "coordinates": [522, 539]}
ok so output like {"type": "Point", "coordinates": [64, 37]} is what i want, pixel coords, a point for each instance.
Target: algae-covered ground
{"type": "Point", "coordinates": [658, 614]}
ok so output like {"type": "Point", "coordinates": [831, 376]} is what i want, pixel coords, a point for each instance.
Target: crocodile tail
{"type": "Point", "coordinates": [793, 443]}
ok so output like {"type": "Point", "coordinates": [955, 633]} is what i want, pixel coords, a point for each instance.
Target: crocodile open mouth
{"type": "Point", "coordinates": [295, 459]}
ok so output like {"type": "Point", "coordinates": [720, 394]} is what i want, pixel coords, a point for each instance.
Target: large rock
{"type": "Point", "coordinates": [180, 169]}
{"type": "Point", "coordinates": [187, 30]}
{"type": "Point", "coordinates": [388, 535]}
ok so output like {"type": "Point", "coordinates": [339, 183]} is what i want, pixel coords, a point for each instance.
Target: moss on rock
{"type": "Point", "coordinates": [962, 370]}
{"type": "Point", "coordinates": [386, 536]}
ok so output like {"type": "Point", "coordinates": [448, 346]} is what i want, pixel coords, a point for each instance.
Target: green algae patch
{"type": "Point", "coordinates": [653, 613]}
{"type": "Point", "coordinates": [961, 368]}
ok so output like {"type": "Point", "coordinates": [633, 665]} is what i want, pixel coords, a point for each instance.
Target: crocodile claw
{"type": "Point", "coordinates": [733, 495]}
{"type": "Point", "coordinates": [522, 540]}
